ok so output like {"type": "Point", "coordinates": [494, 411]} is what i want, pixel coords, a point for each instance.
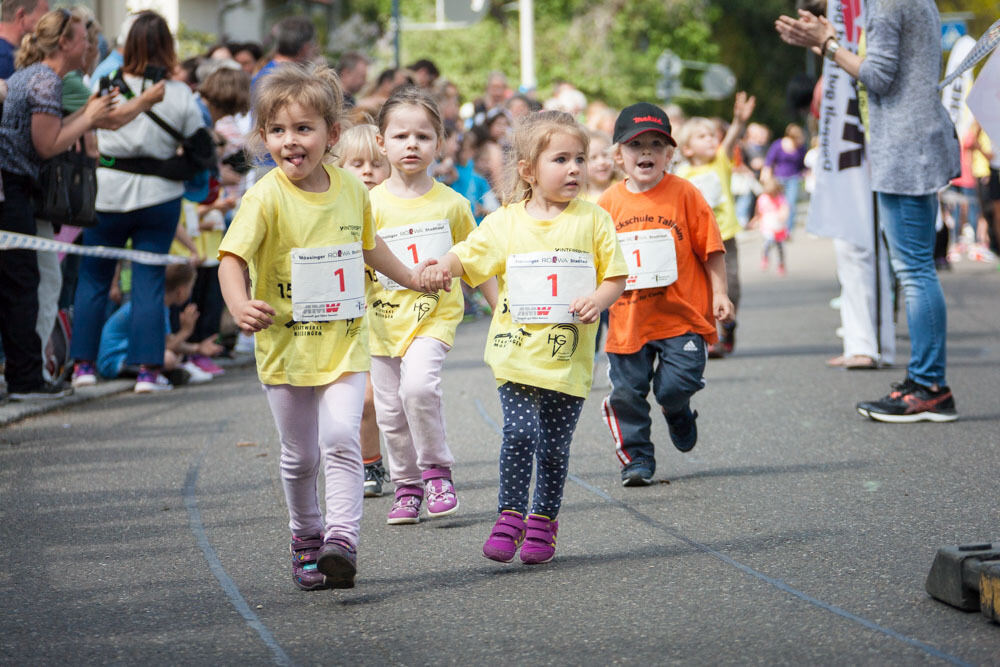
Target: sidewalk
{"type": "Point", "coordinates": [15, 411]}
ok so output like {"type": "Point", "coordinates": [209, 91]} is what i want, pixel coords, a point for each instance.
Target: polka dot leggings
{"type": "Point", "coordinates": [537, 423]}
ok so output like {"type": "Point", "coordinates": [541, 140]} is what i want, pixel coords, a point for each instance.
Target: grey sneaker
{"type": "Point", "coordinates": [637, 473]}
{"type": "Point", "coordinates": [375, 477]}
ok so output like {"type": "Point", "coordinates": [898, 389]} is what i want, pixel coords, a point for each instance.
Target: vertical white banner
{"type": "Point", "coordinates": [841, 205]}
{"type": "Point", "coordinates": [953, 96]}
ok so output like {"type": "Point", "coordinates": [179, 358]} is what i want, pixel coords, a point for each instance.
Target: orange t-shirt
{"type": "Point", "coordinates": [685, 306]}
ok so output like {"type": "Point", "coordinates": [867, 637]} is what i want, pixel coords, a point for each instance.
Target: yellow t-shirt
{"type": "Point", "coordinates": [713, 179]}
{"type": "Point", "coordinates": [274, 217]}
{"type": "Point", "coordinates": [552, 356]}
{"type": "Point", "coordinates": [396, 317]}
{"type": "Point", "coordinates": [205, 240]}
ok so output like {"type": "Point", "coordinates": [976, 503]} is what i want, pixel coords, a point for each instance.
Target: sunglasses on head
{"type": "Point", "coordinates": [67, 15]}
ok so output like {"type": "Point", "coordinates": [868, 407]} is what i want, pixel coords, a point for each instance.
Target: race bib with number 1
{"type": "Point", "coordinates": [651, 258]}
{"type": "Point", "coordinates": [328, 283]}
{"type": "Point", "coordinates": [542, 285]}
{"type": "Point", "coordinates": [413, 244]}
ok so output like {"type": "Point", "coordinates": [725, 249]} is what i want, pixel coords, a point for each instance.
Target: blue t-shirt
{"type": "Point", "coordinates": [7, 51]}
{"type": "Point", "coordinates": [471, 185]}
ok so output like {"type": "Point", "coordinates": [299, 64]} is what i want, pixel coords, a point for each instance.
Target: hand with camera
{"type": "Point", "coordinates": [98, 110]}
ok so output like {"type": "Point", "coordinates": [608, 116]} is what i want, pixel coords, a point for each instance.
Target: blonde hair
{"type": "Point", "coordinates": [315, 87]}
{"type": "Point", "coordinates": [358, 141]}
{"type": "Point", "coordinates": [532, 136]}
{"type": "Point", "coordinates": [410, 95]}
{"type": "Point", "coordinates": [686, 132]}
{"type": "Point", "coordinates": [44, 41]}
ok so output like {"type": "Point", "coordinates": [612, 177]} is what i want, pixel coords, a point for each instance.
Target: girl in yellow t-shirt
{"type": "Point", "coordinates": [559, 265]}
{"type": "Point", "coordinates": [412, 332]}
{"type": "Point", "coordinates": [291, 269]}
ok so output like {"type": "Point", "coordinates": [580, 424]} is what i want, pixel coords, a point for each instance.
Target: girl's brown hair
{"type": "Point", "coordinates": [411, 95]}
{"type": "Point", "coordinates": [149, 42]}
{"type": "Point", "coordinates": [44, 41]}
{"type": "Point", "coordinates": [315, 87]}
{"type": "Point", "coordinates": [228, 90]}
{"type": "Point", "coordinates": [532, 136]}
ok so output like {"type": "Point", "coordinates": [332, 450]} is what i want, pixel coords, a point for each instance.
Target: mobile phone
{"type": "Point", "coordinates": [105, 86]}
{"type": "Point", "coordinates": [154, 73]}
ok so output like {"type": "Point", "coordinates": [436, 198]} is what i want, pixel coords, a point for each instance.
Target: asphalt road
{"type": "Point", "coordinates": [152, 529]}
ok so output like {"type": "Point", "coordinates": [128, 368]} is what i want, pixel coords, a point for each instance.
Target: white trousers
{"type": "Point", "coordinates": [856, 273]}
{"type": "Point", "coordinates": [49, 286]}
{"type": "Point", "coordinates": [321, 425]}
{"type": "Point", "coordinates": [410, 411]}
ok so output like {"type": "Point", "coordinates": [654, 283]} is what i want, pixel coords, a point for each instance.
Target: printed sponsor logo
{"type": "Point", "coordinates": [332, 307]}
{"type": "Point", "coordinates": [647, 119]}
{"type": "Point", "coordinates": [543, 311]}
{"type": "Point", "coordinates": [564, 340]}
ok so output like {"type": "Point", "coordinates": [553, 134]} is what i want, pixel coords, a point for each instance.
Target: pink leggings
{"type": "Point", "coordinates": [314, 423]}
{"type": "Point", "coordinates": [410, 411]}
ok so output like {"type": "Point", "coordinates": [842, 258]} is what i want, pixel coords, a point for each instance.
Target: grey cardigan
{"type": "Point", "coordinates": [913, 148]}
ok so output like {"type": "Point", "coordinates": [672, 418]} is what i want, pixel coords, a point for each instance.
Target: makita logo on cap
{"type": "Point", "coordinates": [647, 119]}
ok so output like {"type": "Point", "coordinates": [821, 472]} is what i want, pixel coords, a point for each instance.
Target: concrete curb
{"type": "Point", "coordinates": [15, 411]}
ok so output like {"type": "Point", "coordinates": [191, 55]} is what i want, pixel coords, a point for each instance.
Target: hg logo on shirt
{"type": "Point", "coordinates": [564, 344]}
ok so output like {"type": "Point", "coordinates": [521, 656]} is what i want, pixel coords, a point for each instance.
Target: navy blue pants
{"type": "Point", "coordinates": [151, 229]}
{"type": "Point", "coordinates": [538, 425]}
{"type": "Point", "coordinates": [676, 368]}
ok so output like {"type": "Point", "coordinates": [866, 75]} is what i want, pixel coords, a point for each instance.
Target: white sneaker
{"type": "Point", "coordinates": [150, 382]}
{"type": "Point", "coordinates": [244, 344]}
{"type": "Point", "coordinates": [198, 376]}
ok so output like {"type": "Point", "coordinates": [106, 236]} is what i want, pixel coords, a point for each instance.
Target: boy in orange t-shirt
{"type": "Point", "coordinates": [675, 292]}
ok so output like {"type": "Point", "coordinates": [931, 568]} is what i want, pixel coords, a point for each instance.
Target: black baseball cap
{"type": "Point", "coordinates": [639, 118]}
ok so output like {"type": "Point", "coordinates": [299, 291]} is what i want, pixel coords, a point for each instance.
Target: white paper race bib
{"type": "Point", "coordinates": [328, 283]}
{"type": "Point", "coordinates": [541, 285]}
{"type": "Point", "coordinates": [651, 258]}
{"type": "Point", "coordinates": [414, 243]}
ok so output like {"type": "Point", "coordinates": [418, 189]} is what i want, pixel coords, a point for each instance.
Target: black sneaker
{"type": "Point", "coordinates": [683, 429]}
{"type": "Point", "coordinates": [637, 473]}
{"type": "Point", "coordinates": [728, 338]}
{"type": "Point", "coordinates": [910, 401]}
{"type": "Point", "coordinates": [375, 477]}
{"type": "Point", "coordinates": [47, 390]}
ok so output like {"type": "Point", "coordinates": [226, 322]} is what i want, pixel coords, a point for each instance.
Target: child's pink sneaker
{"type": "Point", "coordinates": [439, 492]}
{"type": "Point", "coordinates": [505, 538]}
{"type": "Point", "coordinates": [539, 540]}
{"type": "Point", "coordinates": [337, 560]}
{"type": "Point", "coordinates": [406, 508]}
{"type": "Point", "coordinates": [207, 365]}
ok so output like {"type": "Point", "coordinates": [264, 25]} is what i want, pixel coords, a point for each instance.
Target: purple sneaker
{"type": "Point", "coordinates": [539, 540]}
{"type": "Point", "coordinates": [406, 508]}
{"type": "Point", "coordinates": [84, 374]}
{"type": "Point", "coordinates": [440, 492]}
{"type": "Point", "coordinates": [304, 572]}
{"type": "Point", "coordinates": [505, 538]}
{"type": "Point", "coordinates": [338, 561]}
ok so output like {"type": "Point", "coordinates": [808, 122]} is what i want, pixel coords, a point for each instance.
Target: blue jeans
{"type": "Point", "coordinates": [908, 222]}
{"type": "Point", "coordinates": [791, 186]}
{"type": "Point", "coordinates": [151, 229]}
{"type": "Point", "coordinates": [675, 366]}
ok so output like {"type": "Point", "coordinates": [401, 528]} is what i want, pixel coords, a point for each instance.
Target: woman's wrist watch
{"type": "Point", "coordinates": [830, 48]}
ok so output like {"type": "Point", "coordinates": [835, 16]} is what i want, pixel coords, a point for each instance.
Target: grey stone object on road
{"type": "Point", "coordinates": [955, 575]}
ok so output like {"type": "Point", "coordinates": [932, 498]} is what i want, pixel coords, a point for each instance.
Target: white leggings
{"type": "Point", "coordinates": [315, 422]}
{"type": "Point", "coordinates": [410, 410]}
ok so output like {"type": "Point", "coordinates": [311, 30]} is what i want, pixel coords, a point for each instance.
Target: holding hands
{"type": "Point", "coordinates": [434, 277]}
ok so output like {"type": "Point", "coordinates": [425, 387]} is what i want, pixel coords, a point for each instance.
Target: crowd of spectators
{"type": "Point", "coordinates": [57, 56]}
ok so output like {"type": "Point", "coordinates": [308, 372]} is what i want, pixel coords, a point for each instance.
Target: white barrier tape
{"type": "Point", "coordinates": [983, 47]}
{"type": "Point", "coordinates": [13, 241]}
